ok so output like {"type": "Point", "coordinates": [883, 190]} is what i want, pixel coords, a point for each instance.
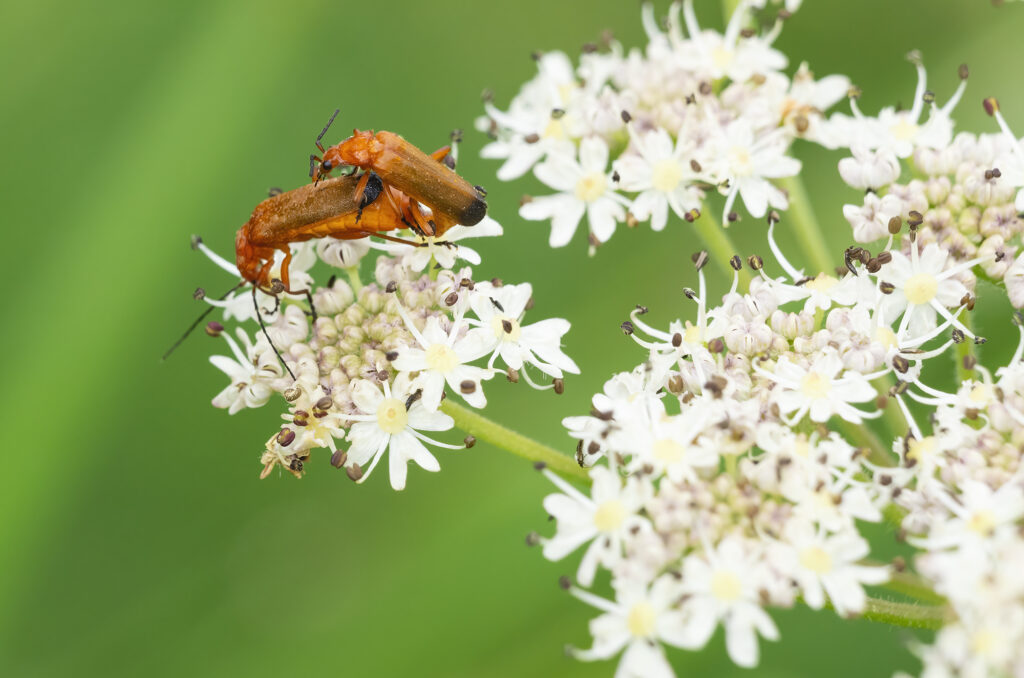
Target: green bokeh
{"type": "Point", "coordinates": [135, 538]}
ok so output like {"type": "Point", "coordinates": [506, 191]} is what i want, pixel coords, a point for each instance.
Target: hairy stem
{"type": "Point", "coordinates": [801, 217]}
{"type": "Point", "coordinates": [489, 431]}
{"type": "Point", "coordinates": [908, 615]}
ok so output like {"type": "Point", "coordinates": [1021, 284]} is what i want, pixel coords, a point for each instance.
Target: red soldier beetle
{"type": "Point", "coordinates": [345, 208]}
{"type": "Point", "coordinates": [426, 179]}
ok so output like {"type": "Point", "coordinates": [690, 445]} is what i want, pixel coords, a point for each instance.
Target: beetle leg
{"type": "Point", "coordinates": [425, 225]}
{"type": "Point", "coordinates": [360, 189]}
{"type": "Point", "coordinates": [284, 268]}
{"type": "Point", "coordinates": [392, 238]}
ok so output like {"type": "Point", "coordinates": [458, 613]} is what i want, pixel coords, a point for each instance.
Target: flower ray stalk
{"type": "Point", "coordinates": [508, 440]}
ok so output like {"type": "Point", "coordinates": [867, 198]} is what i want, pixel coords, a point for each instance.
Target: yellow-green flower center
{"type": "Point", "coordinates": [440, 358]}
{"type": "Point", "coordinates": [740, 161]}
{"type": "Point", "coordinates": [609, 516]}
{"type": "Point", "coordinates": [920, 450]}
{"type": "Point", "coordinates": [666, 175]}
{"type": "Point", "coordinates": [904, 130]}
{"type": "Point", "coordinates": [668, 451]}
{"type": "Point", "coordinates": [920, 288]}
{"type": "Point", "coordinates": [982, 522]}
{"type": "Point", "coordinates": [640, 621]}
{"type": "Point", "coordinates": [591, 186]}
{"type": "Point", "coordinates": [823, 283]}
{"type": "Point", "coordinates": [726, 586]}
{"type": "Point", "coordinates": [816, 560]}
{"type": "Point", "coordinates": [505, 328]}
{"type": "Point", "coordinates": [391, 416]}
{"type": "Point", "coordinates": [815, 386]}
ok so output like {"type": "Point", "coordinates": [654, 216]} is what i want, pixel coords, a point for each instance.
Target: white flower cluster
{"type": "Point", "coordinates": [962, 487]}
{"type": "Point", "coordinates": [626, 137]}
{"type": "Point", "coordinates": [967, 190]}
{"type": "Point", "coordinates": [731, 468]}
{"type": "Point", "coordinates": [373, 367]}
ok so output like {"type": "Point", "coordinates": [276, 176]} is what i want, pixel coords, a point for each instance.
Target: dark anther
{"type": "Point", "coordinates": [295, 465]}
{"type": "Point", "coordinates": [512, 375]}
{"type": "Point", "coordinates": [755, 262]}
{"type": "Point", "coordinates": [532, 138]}
{"type": "Point", "coordinates": [354, 472]}
{"type": "Point", "coordinates": [539, 466]}
{"type": "Point", "coordinates": [529, 304]}
{"type": "Point", "coordinates": [469, 441]}
{"type": "Point", "coordinates": [391, 356]}
{"type": "Point", "coordinates": [626, 117]}
{"type": "Point", "coordinates": [716, 345]}
{"type": "Point", "coordinates": [991, 105]}
{"type": "Point", "coordinates": [695, 166]}
{"type": "Point", "coordinates": [339, 458]}
{"type": "Point", "coordinates": [689, 293]}
{"type": "Point", "coordinates": [895, 224]}
{"type": "Point", "coordinates": [705, 88]}
{"type": "Point", "coordinates": [914, 218]}
{"type": "Point", "coordinates": [451, 299]}
{"type": "Point", "coordinates": [677, 340]}
{"type": "Point", "coordinates": [736, 262]}
{"type": "Point", "coordinates": [978, 341]}
{"type": "Point", "coordinates": [449, 161]}
{"type": "Point", "coordinates": [886, 288]}
{"type": "Point", "coordinates": [557, 113]}
{"type": "Point", "coordinates": [615, 176]}
{"type": "Point", "coordinates": [627, 328]}
{"type": "Point", "coordinates": [324, 403]}
{"type": "Point", "coordinates": [292, 394]}
{"type": "Point", "coordinates": [732, 217]}
{"type": "Point", "coordinates": [214, 328]}
{"type": "Point", "coordinates": [285, 437]}
{"type": "Point", "coordinates": [564, 583]}
{"type": "Point", "coordinates": [507, 326]}
{"type": "Point", "coordinates": [467, 386]}
{"type": "Point", "coordinates": [958, 336]}
{"type": "Point", "coordinates": [559, 385]}
{"type": "Point", "coordinates": [195, 241]}
{"type": "Point", "coordinates": [199, 294]}
{"type": "Point", "coordinates": [598, 414]}
{"type": "Point", "coordinates": [963, 71]}
{"type": "Point", "coordinates": [881, 401]}
{"type": "Point", "coordinates": [700, 259]}
{"type": "Point", "coordinates": [884, 257]}
{"type": "Point", "coordinates": [928, 96]}
{"type": "Point", "coordinates": [970, 362]}
{"type": "Point", "coordinates": [773, 217]}
{"type": "Point", "coordinates": [901, 364]}
{"type": "Point", "coordinates": [641, 310]}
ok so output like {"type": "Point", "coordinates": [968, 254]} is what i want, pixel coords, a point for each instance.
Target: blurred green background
{"type": "Point", "coordinates": [135, 538]}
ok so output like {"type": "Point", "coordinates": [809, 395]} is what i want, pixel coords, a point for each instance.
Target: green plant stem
{"type": "Point", "coordinates": [865, 437]}
{"type": "Point", "coordinates": [720, 245]}
{"type": "Point", "coordinates": [353, 279]}
{"type": "Point", "coordinates": [801, 215]}
{"type": "Point", "coordinates": [912, 586]}
{"type": "Point", "coordinates": [891, 415]}
{"type": "Point", "coordinates": [484, 429]}
{"type": "Point", "coordinates": [964, 351]}
{"type": "Point", "coordinates": [908, 615]}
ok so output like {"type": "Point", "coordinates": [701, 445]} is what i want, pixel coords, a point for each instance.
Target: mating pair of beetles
{"type": "Point", "coordinates": [397, 180]}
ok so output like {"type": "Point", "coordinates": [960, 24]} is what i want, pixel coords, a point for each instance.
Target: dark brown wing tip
{"type": "Point", "coordinates": [472, 215]}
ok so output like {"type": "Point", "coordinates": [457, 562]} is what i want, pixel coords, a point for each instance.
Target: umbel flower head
{"type": "Point", "coordinates": [733, 468]}
{"type": "Point", "coordinates": [630, 136]}
{"type": "Point", "coordinates": [366, 378]}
